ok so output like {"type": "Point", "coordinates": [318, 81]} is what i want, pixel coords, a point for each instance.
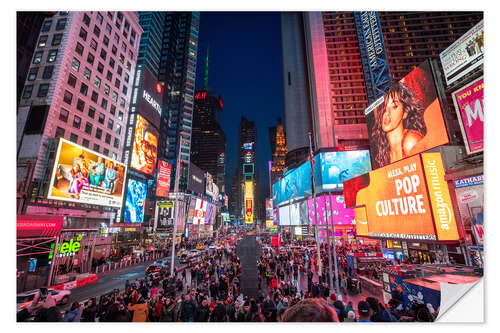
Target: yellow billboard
{"type": "Point", "coordinates": [249, 202]}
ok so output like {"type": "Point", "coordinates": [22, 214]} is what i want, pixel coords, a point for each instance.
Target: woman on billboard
{"type": "Point", "coordinates": [399, 125]}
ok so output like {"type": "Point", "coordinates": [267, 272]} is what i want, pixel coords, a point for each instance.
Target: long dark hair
{"type": "Point", "coordinates": [413, 121]}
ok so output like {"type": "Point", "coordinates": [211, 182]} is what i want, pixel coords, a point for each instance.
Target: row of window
{"type": "Point", "coordinates": [74, 138]}
{"type": "Point", "coordinates": [60, 24]}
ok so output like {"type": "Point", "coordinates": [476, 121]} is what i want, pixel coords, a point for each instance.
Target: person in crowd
{"type": "Point", "coordinates": [310, 310]}
{"type": "Point", "coordinates": [140, 310]}
{"type": "Point", "coordinates": [364, 312]}
{"type": "Point", "coordinates": [89, 311]}
{"type": "Point", "coordinates": [74, 314]}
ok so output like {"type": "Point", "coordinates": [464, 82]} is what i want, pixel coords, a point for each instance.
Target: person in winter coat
{"type": "Point", "coordinates": [140, 310]}
{"type": "Point", "coordinates": [188, 309]}
{"type": "Point", "coordinates": [168, 311]}
{"type": "Point", "coordinates": [74, 314]}
{"type": "Point", "coordinates": [202, 312]}
{"type": "Point", "coordinates": [89, 312]}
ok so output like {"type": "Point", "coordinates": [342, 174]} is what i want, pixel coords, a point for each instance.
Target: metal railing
{"type": "Point", "coordinates": [113, 266]}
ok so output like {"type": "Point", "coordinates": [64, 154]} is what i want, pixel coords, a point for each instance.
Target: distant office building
{"type": "Point", "coordinates": [277, 140]}
{"type": "Point", "coordinates": [327, 82]}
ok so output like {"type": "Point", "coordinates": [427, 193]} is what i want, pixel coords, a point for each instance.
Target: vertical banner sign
{"type": "Point", "coordinates": [163, 182]}
{"type": "Point", "coordinates": [470, 111]}
{"type": "Point", "coordinates": [249, 202]}
{"type": "Point", "coordinates": [373, 55]}
{"type": "Point", "coordinates": [444, 218]}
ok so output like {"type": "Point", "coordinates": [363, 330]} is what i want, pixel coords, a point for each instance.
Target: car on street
{"type": "Point", "coordinates": [25, 299]}
{"type": "Point", "coordinates": [153, 268]}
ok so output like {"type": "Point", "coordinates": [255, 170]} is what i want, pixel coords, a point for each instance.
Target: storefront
{"type": "Point", "coordinates": [419, 253]}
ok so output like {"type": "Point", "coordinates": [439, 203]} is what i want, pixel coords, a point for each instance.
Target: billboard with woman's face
{"type": "Point", "coordinates": [145, 147]}
{"type": "Point", "coordinates": [407, 119]}
{"type": "Point", "coordinates": [84, 176]}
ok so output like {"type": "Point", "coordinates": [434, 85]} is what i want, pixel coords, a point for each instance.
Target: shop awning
{"type": "Point", "coordinates": [30, 225]}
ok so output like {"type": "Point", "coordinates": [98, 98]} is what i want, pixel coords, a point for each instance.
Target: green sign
{"type": "Point", "coordinates": [66, 248]}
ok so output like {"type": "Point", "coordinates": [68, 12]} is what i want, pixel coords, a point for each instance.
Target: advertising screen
{"type": "Point", "coordinates": [145, 147]}
{"type": "Point", "coordinates": [248, 202]}
{"type": "Point", "coordinates": [295, 185]}
{"type": "Point", "coordinates": [276, 216]}
{"type": "Point", "coordinates": [84, 176]}
{"type": "Point", "coordinates": [192, 205]}
{"type": "Point", "coordinates": [196, 177]}
{"type": "Point", "coordinates": [163, 182]}
{"type": "Point", "coordinates": [465, 54]}
{"type": "Point", "coordinates": [408, 199]}
{"type": "Point", "coordinates": [135, 201]}
{"type": "Point", "coordinates": [340, 214]}
{"type": "Point", "coordinates": [200, 211]}
{"type": "Point", "coordinates": [211, 189]}
{"type": "Point", "coordinates": [470, 200]}
{"type": "Point", "coordinates": [149, 96]}
{"type": "Point", "coordinates": [284, 215]}
{"type": "Point", "coordinates": [407, 119]}
{"type": "Point", "coordinates": [210, 218]}
{"type": "Point", "coordinates": [269, 208]}
{"type": "Point", "coordinates": [165, 214]}
{"type": "Point", "coordinates": [470, 111]}
{"type": "Point", "coordinates": [320, 210]}
{"type": "Point", "coordinates": [338, 166]}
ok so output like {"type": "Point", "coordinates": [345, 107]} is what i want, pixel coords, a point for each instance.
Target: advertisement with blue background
{"type": "Point", "coordinates": [295, 185]}
{"type": "Point", "coordinates": [135, 201]}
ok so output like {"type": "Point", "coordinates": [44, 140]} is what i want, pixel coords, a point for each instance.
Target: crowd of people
{"type": "Point", "coordinates": [208, 290]}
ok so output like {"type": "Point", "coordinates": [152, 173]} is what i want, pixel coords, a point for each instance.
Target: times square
{"type": "Point", "coordinates": [140, 200]}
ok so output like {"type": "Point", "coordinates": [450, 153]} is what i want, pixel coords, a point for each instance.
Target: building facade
{"type": "Point", "coordinates": [277, 140]}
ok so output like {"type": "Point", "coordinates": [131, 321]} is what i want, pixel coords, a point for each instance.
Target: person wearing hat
{"type": "Point", "coordinates": [364, 311]}
{"type": "Point", "coordinates": [351, 317]}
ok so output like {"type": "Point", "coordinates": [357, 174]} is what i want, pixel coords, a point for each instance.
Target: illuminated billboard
{"type": "Point", "coordinates": [408, 199]}
{"type": "Point", "coordinates": [294, 185]}
{"type": "Point", "coordinates": [135, 201]}
{"type": "Point", "coordinates": [210, 216]}
{"type": "Point", "coordinates": [248, 202]}
{"type": "Point", "coordinates": [338, 166]}
{"type": "Point", "coordinates": [407, 119]}
{"type": "Point", "coordinates": [196, 179]}
{"type": "Point", "coordinates": [165, 214]}
{"type": "Point", "coordinates": [163, 181]}
{"type": "Point", "coordinates": [191, 207]}
{"type": "Point", "coordinates": [211, 189]}
{"type": "Point", "coordinates": [469, 105]}
{"type": "Point", "coordinates": [200, 211]}
{"type": "Point", "coordinates": [341, 215]}
{"type": "Point", "coordinates": [83, 176]}
{"type": "Point", "coordinates": [145, 147]}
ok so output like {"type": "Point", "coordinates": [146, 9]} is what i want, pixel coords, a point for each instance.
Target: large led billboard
{"type": "Point", "coordinates": [407, 119]}
{"type": "Point", "coordinates": [284, 215]}
{"type": "Point", "coordinates": [408, 199]}
{"type": "Point", "coordinates": [191, 207]}
{"type": "Point", "coordinates": [248, 202]}
{"type": "Point", "coordinates": [135, 201]}
{"type": "Point", "coordinates": [211, 189]}
{"type": "Point", "coordinates": [469, 105]}
{"type": "Point", "coordinates": [200, 211]}
{"type": "Point", "coordinates": [196, 179]}
{"type": "Point", "coordinates": [210, 217]}
{"type": "Point", "coordinates": [163, 181]}
{"type": "Point", "coordinates": [338, 166]}
{"type": "Point", "coordinates": [165, 214]}
{"type": "Point", "coordinates": [329, 206]}
{"type": "Point", "coordinates": [294, 185]}
{"type": "Point", "coordinates": [145, 147]}
{"type": "Point", "coordinates": [84, 176]}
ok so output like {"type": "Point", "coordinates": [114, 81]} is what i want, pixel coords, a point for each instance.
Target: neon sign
{"type": "Point", "coordinates": [200, 95]}
{"type": "Point", "coordinates": [151, 101]}
{"type": "Point", "coordinates": [66, 248]}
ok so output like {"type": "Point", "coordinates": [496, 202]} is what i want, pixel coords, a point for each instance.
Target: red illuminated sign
{"type": "Point", "coordinates": [220, 103]}
{"type": "Point", "coordinates": [200, 95]}
{"type": "Point", "coordinates": [158, 88]}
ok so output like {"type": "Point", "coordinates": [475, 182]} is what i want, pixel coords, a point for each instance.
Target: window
{"type": "Point", "coordinates": [113, 50]}
{"type": "Point", "coordinates": [47, 72]}
{"type": "Point", "coordinates": [96, 147]}
{"type": "Point", "coordinates": [46, 26]}
{"type": "Point", "coordinates": [90, 58]}
{"type": "Point", "coordinates": [97, 82]}
{"type": "Point", "coordinates": [32, 73]}
{"type": "Point", "coordinates": [75, 64]}
{"type": "Point", "coordinates": [93, 44]}
{"type": "Point", "coordinates": [122, 101]}
{"type": "Point", "coordinates": [79, 48]}
{"type": "Point", "coordinates": [126, 77]}
{"type": "Point", "coordinates": [43, 89]}
{"type": "Point", "coordinates": [84, 89]}
{"type": "Point", "coordinates": [97, 31]}
{"type": "Point", "coordinates": [117, 83]}
{"type": "Point", "coordinates": [105, 151]}
{"type": "Point", "coordinates": [109, 76]}
{"type": "Point", "coordinates": [124, 47]}
{"type": "Point", "coordinates": [124, 89]}
{"type": "Point", "coordinates": [68, 97]}
{"type": "Point", "coordinates": [88, 128]}
{"type": "Point", "coordinates": [122, 58]}
{"type": "Point", "coordinates": [112, 109]}
{"type": "Point", "coordinates": [42, 41]}
{"type": "Point", "coordinates": [63, 115]}
{"type": "Point", "coordinates": [61, 24]}
{"type": "Point", "coordinates": [52, 56]}
{"type": "Point", "coordinates": [28, 89]}
{"type": "Point", "coordinates": [110, 124]}
{"type": "Point", "coordinates": [112, 62]}
{"type": "Point", "coordinates": [100, 68]}
{"type": "Point", "coordinates": [56, 39]}
{"type": "Point", "coordinates": [105, 41]}
{"type": "Point", "coordinates": [101, 118]}
{"type": "Point", "coordinates": [120, 115]}
{"type": "Point", "coordinates": [76, 122]}
{"type": "Point", "coordinates": [116, 143]}
{"type": "Point", "coordinates": [115, 96]}
{"type": "Point", "coordinates": [108, 28]}
{"type": "Point", "coordinates": [130, 55]}
{"type": "Point", "coordinates": [85, 143]}
{"type": "Point", "coordinates": [118, 129]}
{"type": "Point", "coordinates": [114, 156]}
{"type": "Point", "coordinates": [37, 57]}
{"type": "Point", "coordinates": [119, 70]}
{"type": "Point", "coordinates": [86, 19]}
{"type": "Point", "coordinates": [94, 97]}
{"type": "Point", "coordinates": [59, 132]}
{"type": "Point", "coordinates": [91, 112]}
{"type": "Point", "coordinates": [108, 138]}
{"type": "Point", "coordinates": [73, 137]}
{"type": "Point", "coordinates": [80, 105]}
{"type": "Point", "coordinates": [103, 54]}
{"type": "Point", "coordinates": [98, 133]}
{"type": "Point", "coordinates": [129, 66]}
{"type": "Point", "coordinates": [104, 104]}
{"type": "Point", "coordinates": [86, 73]}
{"type": "Point", "coordinates": [99, 18]}
{"type": "Point", "coordinates": [83, 34]}
{"type": "Point", "coordinates": [72, 80]}
{"type": "Point", "coordinates": [106, 89]}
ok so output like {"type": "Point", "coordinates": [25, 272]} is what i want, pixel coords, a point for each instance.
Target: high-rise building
{"type": "Point", "coordinates": [208, 149]}
{"type": "Point", "coordinates": [326, 87]}
{"type": "Point", "coordinates": [78, 88]}
{"type": "Point", "coordinates": [277, 140]}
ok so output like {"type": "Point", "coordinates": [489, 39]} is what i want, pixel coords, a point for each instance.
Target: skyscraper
{"type": "Point", "coordinates": [326, 86]}
{"type": "Point", "coordinates": [278, 150]}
